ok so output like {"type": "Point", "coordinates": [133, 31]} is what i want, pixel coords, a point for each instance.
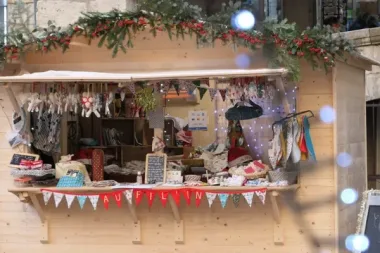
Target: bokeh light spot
{"type": "Point", "coordinates": [327, 114]}
{"type": "Point", "coordinates": [360, 243]}
{"type": "Point", "coordinates": [349, 196]}
{"type": "Point", "coordinates": [243, 20]}
{"type": "Point", "coordinates": [344, 160]}
{"type": "Point", "coordinates": [243, 61]}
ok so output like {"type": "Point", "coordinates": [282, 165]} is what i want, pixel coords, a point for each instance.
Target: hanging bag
{"type": "Point", "coordinates": [244, 112]}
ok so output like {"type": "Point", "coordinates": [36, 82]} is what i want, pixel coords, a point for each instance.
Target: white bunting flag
{"type": "Point", "coordinates": [131, 87]}
{"type": "Point", "coordinates": [94, 200]}
{"type": "Point", "coordinates": [47, 196]}
{"type": "Point", "coordinates": [69, 199]}
{"type": "Point", "coordinates": [213, 93]}
{"type": "Point", "coordinates": [248, 197]}
{"type": "Point", "coordinates": [210, 198]}
{"type": "Point", "coordinates": [128, 195]}
{"type": "Point", "coordinates": [261, 195]}
{"type": "Point", "coordinates": [57, 198]}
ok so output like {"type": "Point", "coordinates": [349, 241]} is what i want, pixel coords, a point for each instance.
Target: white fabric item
{"type": "Point", "coordinates": [128, 195]}
{"type": "Point", "coordinates": [248, 197]}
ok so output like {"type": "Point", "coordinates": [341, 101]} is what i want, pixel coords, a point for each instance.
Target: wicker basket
{"type": "Point", "coordinates": [255, 175]}
{"type": "Point", "coordinates": [192, 178]}
{"type": "Point", "coordinates": [290, 176]}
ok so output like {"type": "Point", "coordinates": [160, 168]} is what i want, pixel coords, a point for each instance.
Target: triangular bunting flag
{"type": "Point", "coordinates": [262, 194]}
{"type": "Point", "coordinates": [138, 196]}
{"type": "Point", "coordinates": [128, 195]}
{"type": "Point", "coordinates": [164, 197]}
{"type": "Point", "coordinates": [210, 198]}
{"type": "Point", "coordinates": [197, 83]}
{"type": "Point", "coordinates": [176, 197]}
{"type": "Point", "coordinates": [248, 197]}
{"type": "Point", "coordinates": [202, 92]}
{"type": "Point", "coordinates": [69, 199]}
{"type": "Point", "coordinates": [81, 200]}
{"type": "Point", "coordinates": [150, 195]}
{"type": "Point", "coordinates": [223, 197]}
{"type": "Point", "coordinates": [187, 195]}
{"type": "Point", "coordinates": [131, 87]}
{"type": "Point", "coordinates": [236, 199]}
{"type": "Point", "coordinates": [47, 196]}
{"type": "Point", "coordinates": [57, 198]}
{"type": "Point", "coordinates": [198, 197]}
{"type": "Point", "coordinates": [94, 200]}
{"type": "Point", "coordinates": [106, 200]}
{"type": "Point", "coordinates": [223, 94]}
{"type": "Point", "coordinates": [213, 93]}
{"type": "Point", "coordinates": [117, 196]}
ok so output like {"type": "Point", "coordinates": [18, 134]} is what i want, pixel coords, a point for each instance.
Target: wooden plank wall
{"type": "Point", "coordinates": [349, 101]}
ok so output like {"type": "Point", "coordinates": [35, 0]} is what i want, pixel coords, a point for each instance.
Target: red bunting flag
{"type": "Point", "coordinates": [138, 196]}
{"type": "Point", "coordinates": [223, 94]}
{"type": "Point", "coordinates": [176, 196]}
{"type": "Point", "coordinates": [164, 197]}
{"type": "Point", "coordinates": [198, 197]}
{"type": "Point", "coordinates": [150, 195]}
{"type": "Point", "coordinates": [187, 195]}
{"type": "Point", "coordinates": [106, 200]}
{"type": "Point", "coordinates": [117, 196]}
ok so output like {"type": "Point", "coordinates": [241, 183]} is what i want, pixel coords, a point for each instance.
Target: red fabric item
{"type": "Point", "coordinates": [106, 200]}
{"type": "Point", "coordinates": [117, 196]}
{"type": "Point", "coordinates": [138, 196]}
{"type": "Point", "coordinates": [176, 196]}
{"type": "Point", "coordinates": [150, 195]}
{"type": "Point", "coordinates": [187, 195]}
{"type": "Point", "coordinates": [198, 197]}
{"type": "Point", "coordinates": [237, 156]}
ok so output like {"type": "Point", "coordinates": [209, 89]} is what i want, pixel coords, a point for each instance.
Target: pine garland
{"type": "Point", "coordinates": [282, 43]}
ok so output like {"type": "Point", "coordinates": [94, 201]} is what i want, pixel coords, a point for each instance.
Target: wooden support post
{"type": "Point", "coordinates": [44, 223]}
{"type": "Point", "coordinates": [178, 223]}
{"type": "Point", "coordinates": [136, 224]}
{"type": "Point", "coordinates": [278, 232]}
{"type": "Point", "coordinates": [12, 98]}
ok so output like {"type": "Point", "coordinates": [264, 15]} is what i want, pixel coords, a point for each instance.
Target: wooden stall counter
{"type": "Point", "coordinates": [29, 195]}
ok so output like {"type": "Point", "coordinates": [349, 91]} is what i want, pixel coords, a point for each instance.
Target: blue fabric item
{"type": "Point", "coordinates": [70, 181]}
{"type": "Point", "coordinates": [309, 142]}
{"type": "Point", "coordinates": [81, 200]}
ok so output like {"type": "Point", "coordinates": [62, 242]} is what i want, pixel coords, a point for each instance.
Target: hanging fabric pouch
{"type": "Point", "coordinates": [309, 142]}
{"type": "Point", "coordinates": [274, 151]}
{"type": "Point", "coordinates": [244, 112]}
{"type": "Point", "coordinates": [296, 152]}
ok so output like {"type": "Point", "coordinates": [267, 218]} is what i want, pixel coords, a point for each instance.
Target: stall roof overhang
{"type": "Point", "coordinates": [76, 76]}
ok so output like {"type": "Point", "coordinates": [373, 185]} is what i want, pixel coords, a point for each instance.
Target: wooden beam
{"type": "Point", "coordinates": [136, 224]}
{"type": "Point", "coordinates": [44, 223]}
{"type": "Point", "coordinates": [178, 223]}
{"type": "Point", "coordinates": [278, 232]}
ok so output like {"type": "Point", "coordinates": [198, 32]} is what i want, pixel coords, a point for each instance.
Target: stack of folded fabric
{"type": "Point", "coordinates": [34, 173]}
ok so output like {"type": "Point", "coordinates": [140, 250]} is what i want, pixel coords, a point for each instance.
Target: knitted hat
{"type": "Point", "coordinates": [237, 156]}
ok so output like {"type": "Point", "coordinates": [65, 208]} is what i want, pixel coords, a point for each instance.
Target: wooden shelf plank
{"type": "Point", "coordinates": [37, 190]}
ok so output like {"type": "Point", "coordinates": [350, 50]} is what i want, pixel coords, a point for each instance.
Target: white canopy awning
{"type": "Point", "coordinates": [76, 76]}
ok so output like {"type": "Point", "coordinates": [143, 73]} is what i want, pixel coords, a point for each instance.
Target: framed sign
{"type": "Point", "coordinates": [198, 120]}
{"type": "Point", "coordinates": [369, 220]}
{"type": "Point", "coordinates": [17, 157]}
{"type": "Point", "coordinates": [155, 168]}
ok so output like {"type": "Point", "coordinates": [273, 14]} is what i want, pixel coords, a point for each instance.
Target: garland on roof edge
{"type": "Point", "coordinates": [283, 44]}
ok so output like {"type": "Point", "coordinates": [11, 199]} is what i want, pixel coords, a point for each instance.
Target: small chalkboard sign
{"type": "Point", "coordinates": [155, 168]}
{"type": "Point", "coordinates": [17, 157]}
{"type": "Point", "coordinates": [370, 225]}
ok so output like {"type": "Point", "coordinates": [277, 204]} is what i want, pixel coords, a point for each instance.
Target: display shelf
{"type": "Point", "coordinates": [29, 195]}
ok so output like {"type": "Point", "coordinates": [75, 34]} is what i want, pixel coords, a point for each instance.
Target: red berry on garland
{"type": "Point", "coordinates": [142, 21]}
{"type": "Point", "coordinates": [290, 52]}
{"type": "Point", "coordinates": [300, 54]}
{"type": "Point", "coordinates": [44, 48]}
{"type": "Point", "coordinates": [120, 23]}
{"type": "Point", "coordinates": [94, 34]}
{"type": "Point", "coordinates": [326, 58]}
{"type": "Point", "coordinates": [232, 32]}
{"type": "Point", "coordinates": [67, 43]}
{"type": "Point", "coordinates": [76, 28]}
{"type": "Point", "coordinates": [129, 22]}
{"type": "Point", "coordinates": [202, 32]}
